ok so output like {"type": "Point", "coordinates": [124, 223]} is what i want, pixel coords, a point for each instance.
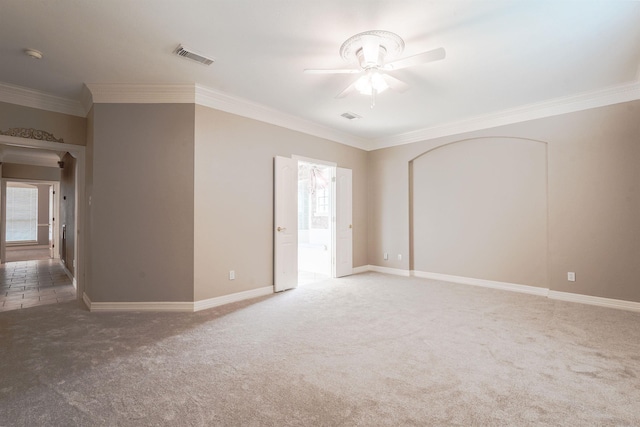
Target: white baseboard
{"type": "Point", "coordinates": [86, 300]}
{"type": "Point", "coordinates": [69, 275]}
{"type": "Point", "coordinates": [175, 306]}
{"type": "Point", "coordinates": [227, 299]}
{"type": "Point", "coordinates": [389, 270]}
{"type": "Point", "coordinates": [513, 287]}
{"type": "Point", "coordinates": [599, 301]}
{"type": "Point", "coordinates": [361, 269]}
{"type": "Point", "coordinates": [140, 306]}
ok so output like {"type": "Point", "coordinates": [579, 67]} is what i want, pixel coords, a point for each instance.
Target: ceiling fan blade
{"type": "Point", "coordinates": [350, 89]}
{"type": "Point", "coordinates": [336, 71]}
{"type": "Point", "coordinates": [395, 84]}
{"type": "Point", "coordinates": [421, 58]}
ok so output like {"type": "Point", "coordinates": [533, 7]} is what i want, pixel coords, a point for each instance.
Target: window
{"type": "Point", "coordinates": [22, 214]}
{"type": "Point", "coordinates": [322, 202]}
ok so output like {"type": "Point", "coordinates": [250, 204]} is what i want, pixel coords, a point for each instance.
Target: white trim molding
{"type": "Point", "coordinates": [26, 97]}
{"type": "Point", "coordinates": [69, 275]}
{"type": "Point", "coordinates": [599, 301]}
{"type": "Point", "coordinates": [178, 306]}
{"type": "Point", "coordinates": [567, 104]}
{"type": "Point", "coordinates": [228, 299]}
{"type": "Point", "coordinates": [138, 306]}
{"type": "Point", "coordinates": [86, 300]}
{"type": "Point", "coordinates": [361, 269]}
{"type": "Point", "coordinates": [207, 97]}
{"type": "Point", "coordinates": [389, 270]}
{"type": "Point", "coordinates": [141, 94]}
{"type": "Point", "coordinates": [220, 101]}
{"type": "Point", "coordinates": [513, 287]}
{"type": "Point", "coordinates": [201, 95]}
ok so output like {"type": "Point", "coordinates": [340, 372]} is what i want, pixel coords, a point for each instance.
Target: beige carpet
{"type": "Point", "coordinates": [368, 350]}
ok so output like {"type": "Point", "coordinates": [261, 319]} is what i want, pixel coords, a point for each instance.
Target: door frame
{"type": "Point", "coordinates": [277, 205]}
{"type": "Point", "coordinates": [78, 152]}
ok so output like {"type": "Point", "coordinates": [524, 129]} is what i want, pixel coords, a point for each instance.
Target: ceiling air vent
{"type": "Point", "coordinates": [350, 116]}
{"type": "Point", "coordinates": [189, 53]}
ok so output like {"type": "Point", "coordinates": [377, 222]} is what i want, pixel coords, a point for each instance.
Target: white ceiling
{"type": "Point", "coordinates": [501, 55]}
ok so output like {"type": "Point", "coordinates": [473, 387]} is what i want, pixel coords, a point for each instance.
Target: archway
{"type": "Point", "coordinates": [478, 209]}
{"type": "Point", "coordinates": [78, 153]}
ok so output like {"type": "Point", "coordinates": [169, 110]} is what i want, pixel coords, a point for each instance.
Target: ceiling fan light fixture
{"type": "Point", "coordinates": [375, 52]}
{"type": "Point", "coordinates": [370, 82]}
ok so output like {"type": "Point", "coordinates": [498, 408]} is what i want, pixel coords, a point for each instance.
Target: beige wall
{"type": "Point", "coordinates": [234, 198]}
{"type": "Point", "coordinates": [141, 213]}
{"type": "Point", "coordinates": [593, 198]}
{"type": "Point", "coordinates": [480, 210]}
{"type": "Point", "coordinates": [71, 129]}
{"type": "Point", "coordinates": [40, 173]}
{"type": "Point", "coordinates": [181, 194]}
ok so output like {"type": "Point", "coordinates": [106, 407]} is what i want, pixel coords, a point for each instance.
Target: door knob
{"type": "Point", "coordinates": [350, 226]}
{"type": "Point", "coordinates": [281, 228]}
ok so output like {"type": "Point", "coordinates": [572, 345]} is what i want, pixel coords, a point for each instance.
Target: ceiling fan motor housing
{"type": "Point", "coordinates": [371, 48]}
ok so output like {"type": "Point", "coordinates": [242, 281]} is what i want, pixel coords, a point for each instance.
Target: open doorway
{"type": "Point", "coordinates": [42, 157]}
{"type": "Point", "coordinates": [315, 221]}
{"type": "Point", "coordinates": [315, 202]}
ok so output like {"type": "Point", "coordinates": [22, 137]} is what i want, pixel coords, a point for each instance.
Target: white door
{"type": "Point", "coordinates": [285, 237]}
{"type": "Point", "coordinates": [344, 228]}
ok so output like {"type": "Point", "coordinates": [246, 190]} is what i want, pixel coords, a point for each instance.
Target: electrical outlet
{"type": "Point", "coordinates": [386, 256]}
{"type": "Point", "coordinates": [232, 275]}
{"type": "Point", "coordinates": [571, 276]}
{"type": "Point", "coordinates": [399, 257]}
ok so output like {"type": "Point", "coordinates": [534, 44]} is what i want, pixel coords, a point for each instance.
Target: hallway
{"type": "Point", "coordinates": [26, 284]}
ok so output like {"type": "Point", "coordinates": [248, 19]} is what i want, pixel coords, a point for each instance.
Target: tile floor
{"type": "Point", "coordinates": [30, 283]}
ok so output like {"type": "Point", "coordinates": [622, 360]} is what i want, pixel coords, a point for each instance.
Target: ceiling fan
{"type": "Point", "coordinates": [376, 52]}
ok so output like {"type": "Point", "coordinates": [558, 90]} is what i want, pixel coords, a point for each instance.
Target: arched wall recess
{"type": "Point", "coordinates": [478, 209]}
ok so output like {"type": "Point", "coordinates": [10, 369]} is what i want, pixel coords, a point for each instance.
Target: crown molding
{"type": "Point", "coordinates": [141, 94]}
{"type": "Point", "coordinates": [567, 104]}
{"type": "Point", "coordinates": [220, 101]}
{"type": "Point", "coordinates": [207, 97]}
{"type": "Point", "coordinates": [86, 99]}
{"type": "Point", "coordinates": [196, 94]}
{"type": "Point", "coordinates": [26, 97]}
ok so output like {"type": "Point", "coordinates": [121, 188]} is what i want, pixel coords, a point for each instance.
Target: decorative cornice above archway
{"type": "Point", "coordinates": [31, 133]}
